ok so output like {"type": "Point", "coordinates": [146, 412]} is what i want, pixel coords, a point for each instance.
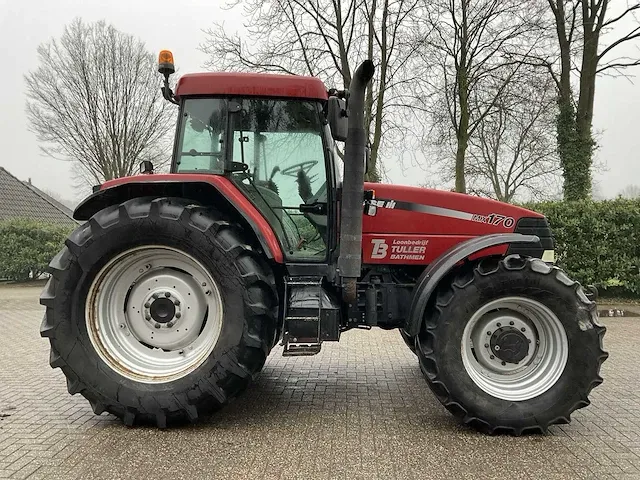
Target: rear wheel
{"type": "Point", "coordinates": [521, 347]}
{"type": "Point", "coordinates": [159, 311]}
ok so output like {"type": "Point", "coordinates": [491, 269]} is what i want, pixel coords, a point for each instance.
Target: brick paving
{"type": "Point", "coordinates": [358, 410]}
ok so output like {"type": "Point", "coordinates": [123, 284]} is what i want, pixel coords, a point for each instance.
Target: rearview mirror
{"type": "Point", "coordinates": [337, 118]}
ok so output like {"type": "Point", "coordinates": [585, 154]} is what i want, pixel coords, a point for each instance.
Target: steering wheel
{"type": "Point", "coordinates": [306, 167]}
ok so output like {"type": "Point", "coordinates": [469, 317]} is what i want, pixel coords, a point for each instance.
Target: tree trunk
{"type": "Point", "coordinates": [462, 79]}
{"type": "Point", "coordinates": [371, 174]}
{"type": "Point", "coordinates": [575, 139]}
{"type": "Point", "coordinates": [461, 185]}
{"type": "Point", "coordinates": [462, 135]}
{"type": "Point", "coordinates": [572, 157]}
{"type": "Point", "coordinates": [580, 187]}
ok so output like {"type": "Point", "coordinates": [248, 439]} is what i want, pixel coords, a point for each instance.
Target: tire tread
{"type": "Point", "coordinates": [260, 318]}
{"type": "Point", "coordinates": [446, 295]}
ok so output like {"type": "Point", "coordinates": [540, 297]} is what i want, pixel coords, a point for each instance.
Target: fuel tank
{"type": "Point", "coordinates": [411, 225]}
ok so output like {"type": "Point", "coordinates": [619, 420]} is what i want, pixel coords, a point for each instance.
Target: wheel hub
{"type": "Point", "coordinates": [509, 344]}
{"type": "Point", "coordinates": [514, 348]}
{"type": "Point", "coordinates": [154, 313]}
{"type": "Point", "coordinates": [162, 310]}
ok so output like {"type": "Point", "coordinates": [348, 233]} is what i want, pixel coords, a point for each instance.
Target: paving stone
{"type": "Point", "coordinates": [359, 409]}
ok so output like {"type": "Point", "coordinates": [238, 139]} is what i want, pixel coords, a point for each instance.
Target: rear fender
{"type": "Point", "coordinates": [216, 191]}
{"type": "Point", "coordinates": [436, 271]}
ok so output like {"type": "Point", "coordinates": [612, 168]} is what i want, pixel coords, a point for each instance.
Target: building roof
{"type": "Point", "coordinates": [22, 200]}
{"type": "Point", "coordinates": [254, 84]}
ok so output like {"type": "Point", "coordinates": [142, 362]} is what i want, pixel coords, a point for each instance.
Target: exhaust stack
{"type": "Point", "coordinates": [350, 259]}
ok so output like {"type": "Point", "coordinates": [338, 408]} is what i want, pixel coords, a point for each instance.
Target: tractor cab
{"type": "Point", "coordinates": [273, 136]}
{"type": "Point", "coordinates": [278, 151]}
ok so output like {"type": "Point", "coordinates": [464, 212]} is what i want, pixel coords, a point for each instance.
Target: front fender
{"type": "Point", "coordinates": [435, 272]}
{"type": "Point", "coordinates": [213, 190]}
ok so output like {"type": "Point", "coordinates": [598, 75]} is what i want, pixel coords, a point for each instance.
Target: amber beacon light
{"type": "Point", "coordinates": [165, 62]}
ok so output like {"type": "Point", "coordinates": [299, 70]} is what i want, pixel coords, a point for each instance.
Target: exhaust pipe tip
{"type": "Point", "coordinates": [366, 71]}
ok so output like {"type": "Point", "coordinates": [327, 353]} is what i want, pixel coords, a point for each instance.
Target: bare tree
{"type": "Point", "coordinates": [586, 47]}
{"type": "Point", "coordinates": [513, 152]}
{"type": "Point", "coordinates": [630, 191]}
{"type": "Point", "coordinates": [473, 45]}
{"type": "Point", "coordinates": [59, 198]}
{"type": "Point", "coordinates": [327, 39]}
{"type": "Point", "coordinates": [95, 100]}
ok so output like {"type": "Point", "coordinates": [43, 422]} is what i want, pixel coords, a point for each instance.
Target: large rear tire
{"type": "Point", "coordinates": [159, 311]}
{"type": "Point", "coordinates": [511, 345]}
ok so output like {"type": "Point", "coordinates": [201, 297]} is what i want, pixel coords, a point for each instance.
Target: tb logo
{"type": "Point", "coordinates": [380, 248]}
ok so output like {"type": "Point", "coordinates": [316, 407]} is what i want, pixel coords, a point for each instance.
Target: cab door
{"type": "Point", "coordinates": [282, 144]}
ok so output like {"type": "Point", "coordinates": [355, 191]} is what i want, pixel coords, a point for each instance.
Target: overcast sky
{"type": "Point", "coordinates": [178, 25]}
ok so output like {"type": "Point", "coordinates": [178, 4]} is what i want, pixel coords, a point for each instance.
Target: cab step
{"type": "Point", "coordinates": [301, 350]}
{"type": "Point", "coordinates": [311, 317]}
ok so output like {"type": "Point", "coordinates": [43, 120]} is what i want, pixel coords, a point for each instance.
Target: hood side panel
{"type": "Point", "coordinates": [422, 211]}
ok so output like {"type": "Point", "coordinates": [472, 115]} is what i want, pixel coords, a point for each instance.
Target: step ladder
{"type": "Point", "coordinates": [303, 310]}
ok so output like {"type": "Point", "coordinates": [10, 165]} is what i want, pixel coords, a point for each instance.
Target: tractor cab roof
{"type": "Point", "coordinates": [251, 84]}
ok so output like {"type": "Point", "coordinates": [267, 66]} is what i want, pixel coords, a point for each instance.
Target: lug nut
{"type": "Point", "coordinates": [178, 314]}
{"type": "Point", "coordinates": [492, 357]}
{"type": "Point", "coordinates": [504, 363]}
{"type": "Point", "coordinates": [529, 340]}
{"type": "Point", "coordinates": [122, 326]}
{"type": "Point", "coordinates": [208, 292]}
{"type": "Point", "coordinates": [157, 325]}
{"type": "Point", "coordinates": [204, 284]}
{"type": "Point", "coordinates": [147, 305]}
{"type": "Point", "coordinates": [523, 329]}
{"type": "Point", "coordinates": [512, 322]}
{"type": "Point", "coordinates": [486, 345]}
{"type": "Point", "coordinates": [176, 303]}
{"type": "Point", "coordinates": [488, 333]}
{"type": "Point", "coordinates": [499, 324]}
{"type": "Point", "coordinates": [167, 294]}
{"type": "Point", "coordinates": [147, 317]}
{"type": "Point", "coordinates": [170, 324]}
{"type": "Point", "coordinates": [156, 295]}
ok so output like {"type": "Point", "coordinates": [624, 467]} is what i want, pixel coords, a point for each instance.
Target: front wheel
{"type": "Point", "coordinates": [511, 345]}
{"type": "Point", "coordinates": [159, 311]}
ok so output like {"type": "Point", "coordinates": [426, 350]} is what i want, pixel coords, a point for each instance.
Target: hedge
{"type": "Point", "coordinates": [27, 247]}
{"type": "Point", "coordinates": [598, 242]}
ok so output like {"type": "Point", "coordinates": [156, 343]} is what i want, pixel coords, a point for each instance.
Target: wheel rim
{"type": "Point", "coordinates": [514, 348]}
{"type": "Point", "coordinates": [154, 314]}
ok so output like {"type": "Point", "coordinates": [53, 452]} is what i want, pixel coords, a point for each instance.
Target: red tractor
{"type": "Point", "coordinates": [166, 302]}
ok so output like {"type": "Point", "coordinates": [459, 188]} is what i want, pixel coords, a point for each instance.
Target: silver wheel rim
{"type": "Point", "coordinates": [546, 356]}
{"type": "Point", "coordinates": [154, 314]}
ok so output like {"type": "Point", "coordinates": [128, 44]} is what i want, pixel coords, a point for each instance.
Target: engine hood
{"type": "Point", "coordinates": [412, 210]}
